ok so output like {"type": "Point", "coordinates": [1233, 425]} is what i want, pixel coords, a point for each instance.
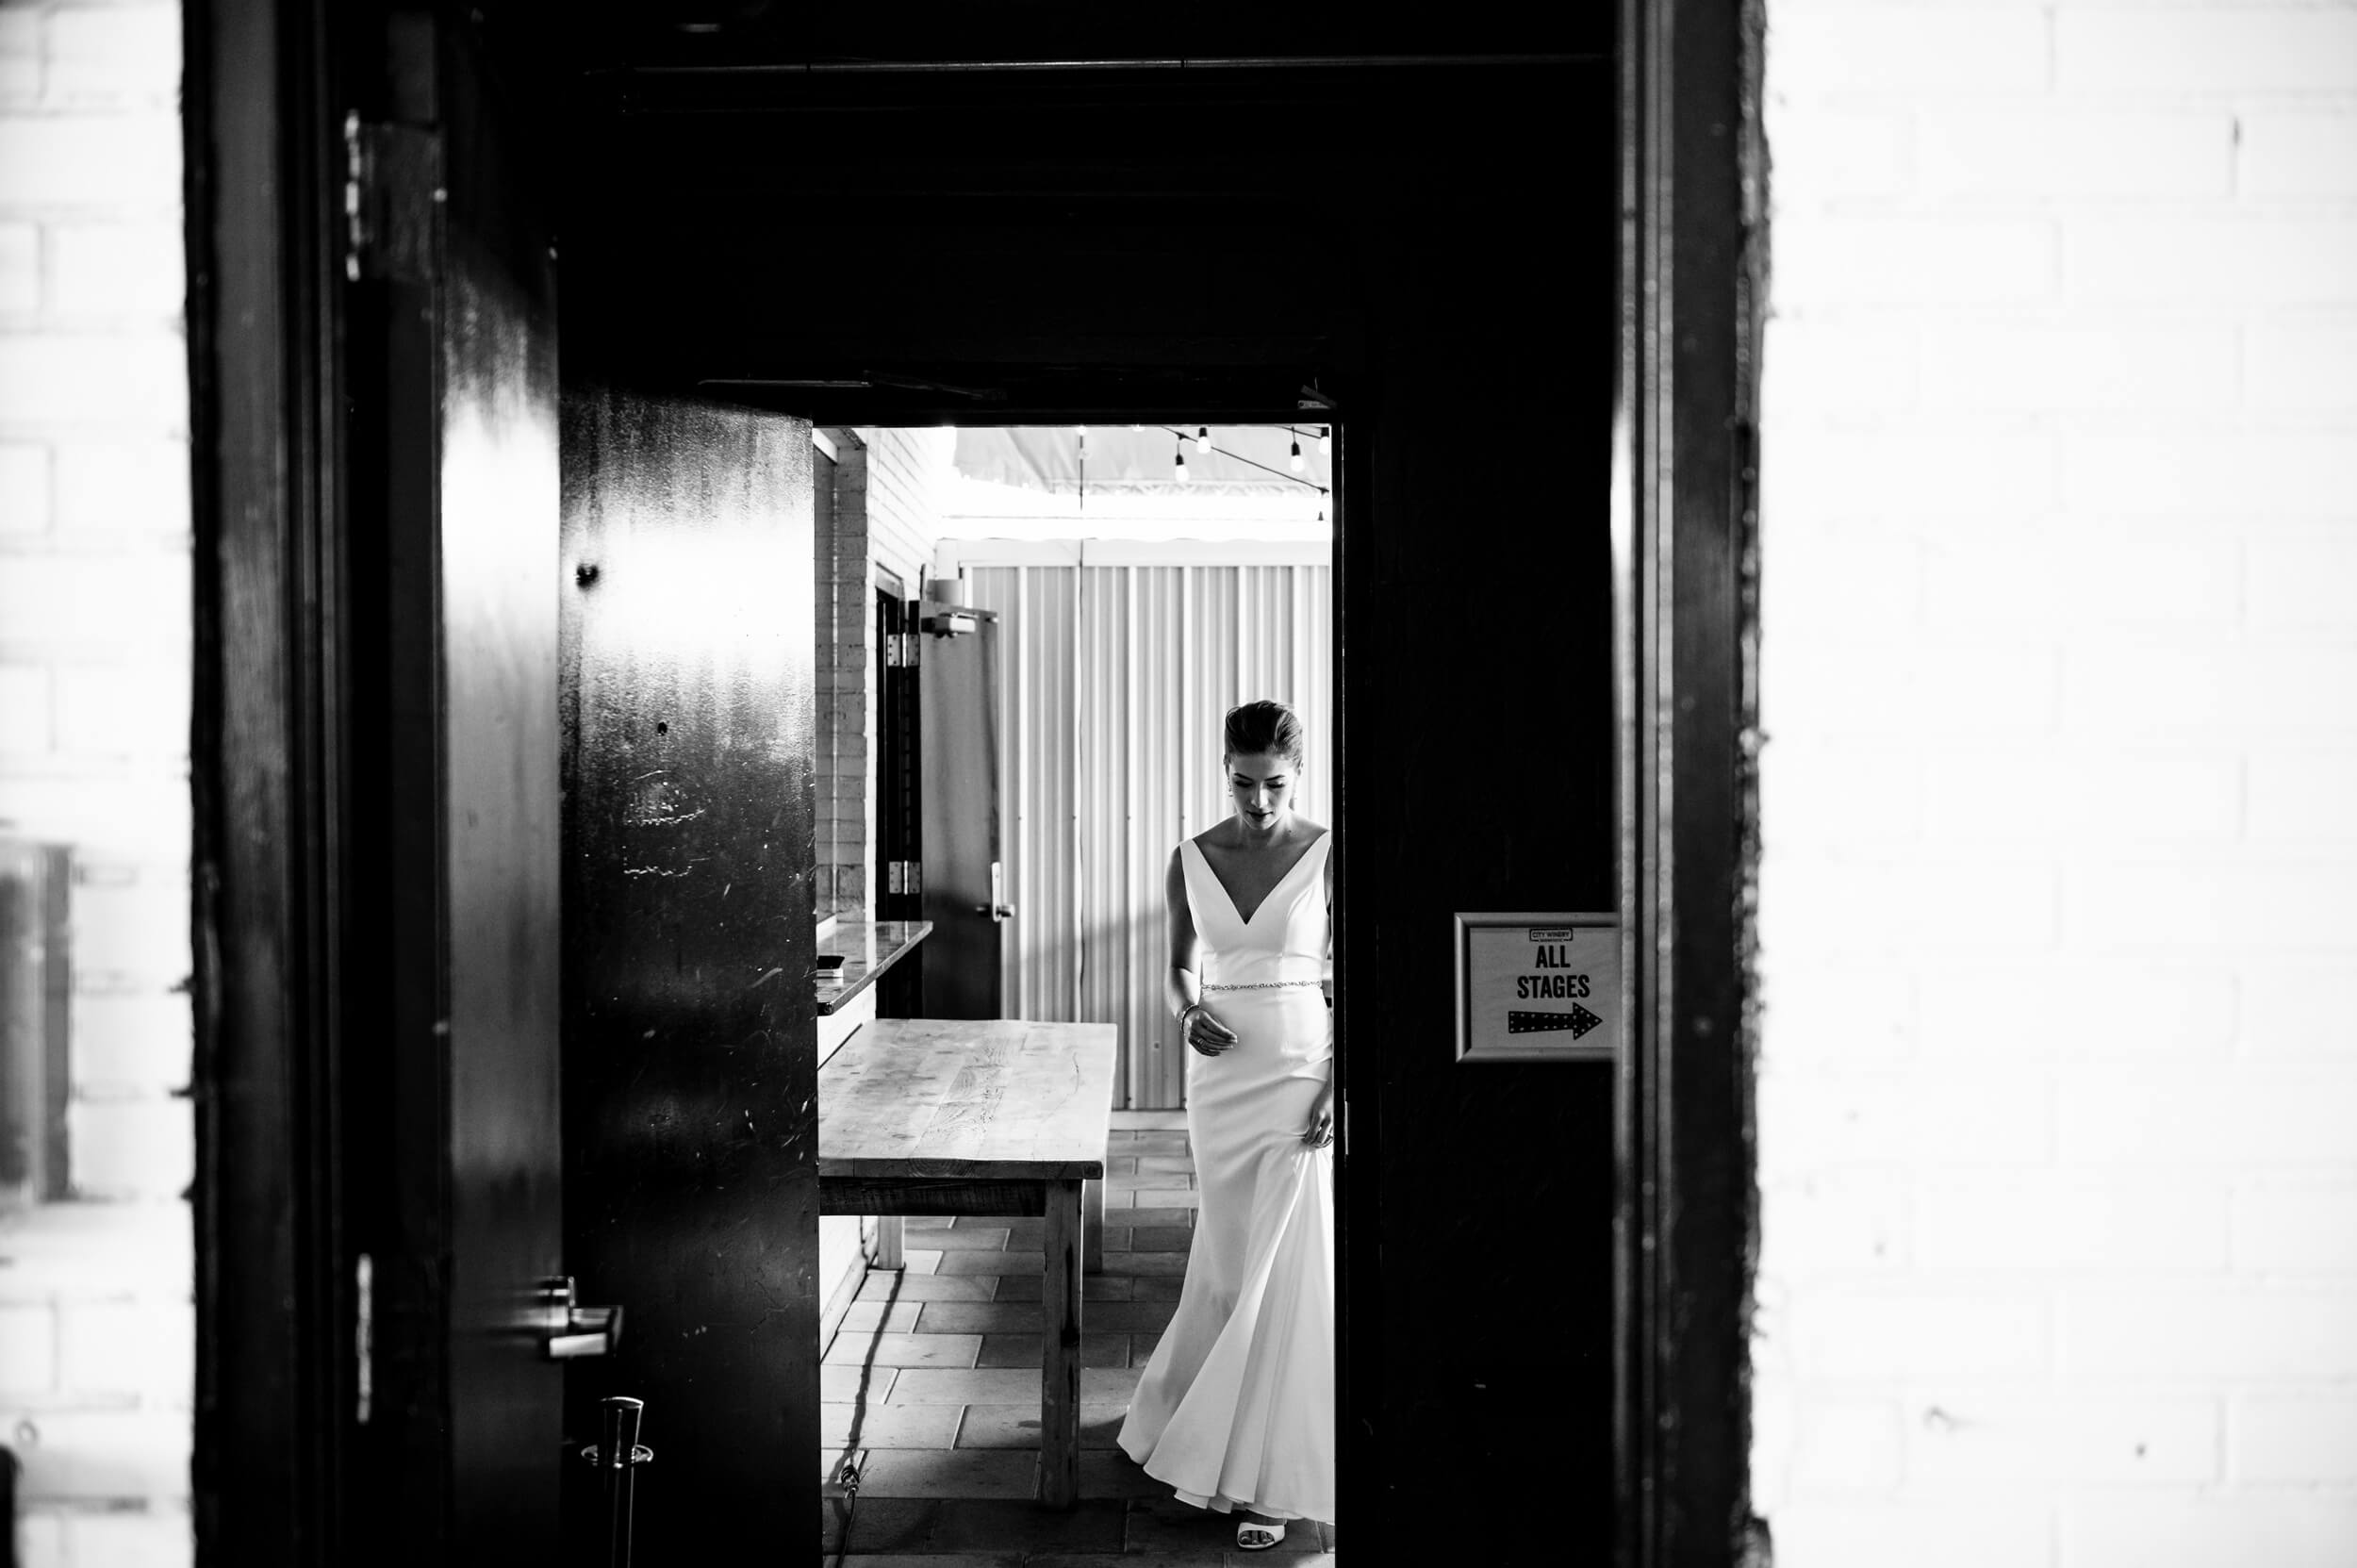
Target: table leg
{"type": "Point", "coordinates": [1091, 1227]}
{"type": "Point", "coordinates": [891, 1232]}
{"type": "Point", "coordinates": [1060, 1349]}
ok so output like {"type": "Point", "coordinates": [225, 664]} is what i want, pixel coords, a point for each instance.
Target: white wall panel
{"type": "Point", "coordinates": [1115, 680]}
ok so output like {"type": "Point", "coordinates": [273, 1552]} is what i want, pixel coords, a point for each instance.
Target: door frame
{"type": "Point", "coordinates": [263, 144]}
{"type": "Point", "coordinates": [262, 127]}
{"type": "Point", "coordinates": [1693, 285]}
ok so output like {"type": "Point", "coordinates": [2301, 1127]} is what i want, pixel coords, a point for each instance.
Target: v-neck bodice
{"type": "Point", "coordinates": [1286, 937]}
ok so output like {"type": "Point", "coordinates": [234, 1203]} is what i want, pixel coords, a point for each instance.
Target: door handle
{"type": "Point", "coordinates": [586, 1330]}
{"type": "Point", "coordinates": [998, 909]}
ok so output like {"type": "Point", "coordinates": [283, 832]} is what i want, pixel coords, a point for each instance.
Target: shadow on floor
{"type": "Point", "coordinates": [932, 1390]}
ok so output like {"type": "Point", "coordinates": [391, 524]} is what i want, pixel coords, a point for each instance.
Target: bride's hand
{"type": "Point", "coordinates": [1206, 1033]}
{"type": "Point", "coordinates": [1321, 1128]}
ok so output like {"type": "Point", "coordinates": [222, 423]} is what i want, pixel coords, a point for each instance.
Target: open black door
{"type": "Point", "coordinates": [453, 1161]}
{"type": "Point", "coordinates": [691, 1058]}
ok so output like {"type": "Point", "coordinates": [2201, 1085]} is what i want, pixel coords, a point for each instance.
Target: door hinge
{"type": "Point", "coordinates": [393, 198]}
{"type": "Point", "coordinates": [900, 650]}
{"type": "Point", "coordinates": [905, 876]}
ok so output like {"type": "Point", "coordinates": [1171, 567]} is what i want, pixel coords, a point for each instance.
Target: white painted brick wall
{"type": "Point", "coordinates": [2059, 676]}
{"type": "Point", "coordinates": [97, 1337]}
{"type": "Point", "coordinates": [888, 517]}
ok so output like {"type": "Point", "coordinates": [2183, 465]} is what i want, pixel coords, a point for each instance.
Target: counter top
{"type": "Point", "coordinates": [868, 949]}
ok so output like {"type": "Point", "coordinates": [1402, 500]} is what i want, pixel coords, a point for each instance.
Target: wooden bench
{"type": "Point", "coordinates": [941, 1116]}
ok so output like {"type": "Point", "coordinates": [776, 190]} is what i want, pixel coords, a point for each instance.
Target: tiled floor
{"type": "Point", "coordinates": [932, 1386]}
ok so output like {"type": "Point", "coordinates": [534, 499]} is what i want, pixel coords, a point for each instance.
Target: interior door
{"type": "Point", "coordinates": [450, 1089]}
{"type": "Point", "coordinates": [965, 867]}
{"type": "Point", "coordinates": [691, 1060]}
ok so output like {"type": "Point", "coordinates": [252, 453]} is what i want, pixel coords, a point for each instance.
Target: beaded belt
{"type": "Point", "coordinates": [1266, 985]}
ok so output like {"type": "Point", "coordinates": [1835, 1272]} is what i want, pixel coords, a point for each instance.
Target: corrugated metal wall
{"type": "Point", "coordinates": [1114, 682]}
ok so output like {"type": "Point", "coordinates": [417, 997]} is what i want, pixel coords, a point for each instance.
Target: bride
{"type": "Point", "coordinates": [1235, 1408]}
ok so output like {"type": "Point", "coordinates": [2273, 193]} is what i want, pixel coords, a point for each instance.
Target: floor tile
{"type": "Point", "coordinates": [904, 1349]}
{"type": "Point", "coordinates": [1017, 1425]}
{"type": "Point", "coordinates": [887, 1426]}
{"type": "Point", "coordinates": [981, 1317]}
{"type": "Point", "coordinates": [932, 1560]}
{"type": "Point", "coordinates": [1023, 1232]}
{"type": "Point", "coordinates": [1118, 1237]}
{"type": "Point", "coordinates": [1181, 1163]}
{"type": "Point", "coordinates": [928, 1385]}
{"type": "Point", "coordinates": [1163, 1523]}
{"type": "Point", "coordinates": [1129, 1317]}
{"type": "Point", "coordinates": [922, 1260]}
{"type": "Point", "coordinates": [1110, 1472]}
{"type": "Point", "coordinates": [831, 1470]}
{"type": "Point", "coordinates": [1162, 1117]}
{"type": "Point", "coordinates": [842, 1384]}
{"type": "Point", "coordinates": [991, 1525]}
{"type": "Point", "coordinates": [1160, 1238]}
{"type": "Point", "coordinates": [1094, 1287]}
{"type": "Point", "coordinates": [1024, 1350]}
{"type": "Point", "coordinates": [1105, 1385]}
{"type": "Point", "coordinates": [961, 1239]}
{"type": "Point", "coordinates": [1118, 1199]}
{"type": "Point", "coordinates": [1134, 1263]}
{"type": "Point", "coordinates": [991, 1263]}
{"type": "Point", "coordinates": [879, 1523]}
{"type": "Point", "coordinates": [952, 1473]}
{"type": "Point", "coordinates": [1144, 1216]}
{"type": "Point", "coordinates": [865, 1316]}
{"type": "Point", "coordinates": [1154, 1287]}
{"type": "Point", "coordinates": [1120, 1163]}
{"type": "Point", "coordinates": [925, 1287]}
{"type": "Point", "coordinates": [1142, 1349]}
{"type": "Point", "coordinates": [912, 1224]}
{"type": "Point", "coordinates": [1108, 1559]}
{"type": "Point", "coordinates": [1166, 1198]}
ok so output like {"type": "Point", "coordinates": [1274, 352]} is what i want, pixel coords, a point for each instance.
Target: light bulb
{"type": "Point", "coordinates": [1203, 438]}
{"type": "Point", "coordinates": [1297, 464]}
{"type": "Point", "coordinates": [1179, 466]}
{"type": "Point", "coordinates": [1326, 441]}
{"type": "Point", "coordinates": [1137, 428]}
{"type": "Point", "coordinates": [1080, 430]}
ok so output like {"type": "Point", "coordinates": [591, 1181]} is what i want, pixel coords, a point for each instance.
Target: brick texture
{"type": "Point", "coordinates": [96, 1334]}
{"type": "Point", "coordinates": [887, 518]}
{"type": "Point", "coordinates": [2059, 680]}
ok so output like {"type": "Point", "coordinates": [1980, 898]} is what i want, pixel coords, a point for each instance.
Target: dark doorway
{"type": "Point", "coordinates": [1467, 259]}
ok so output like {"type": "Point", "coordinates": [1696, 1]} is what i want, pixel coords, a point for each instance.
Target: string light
{"type": "Point", "coordinates": [1296, 460]}
{"type": "Point", "coordinates": [1178, 463]}
{"type": "Point", "coordinates": [1203, 438]}
{"type": "Point", "coordinates": [1326, 441]}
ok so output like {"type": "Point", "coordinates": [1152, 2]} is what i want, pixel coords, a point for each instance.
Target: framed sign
{"type": "Point", "coordinates": [1538, 987]}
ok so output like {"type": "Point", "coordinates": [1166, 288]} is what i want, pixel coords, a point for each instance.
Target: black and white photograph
{"type": "Point", "coordinates": [1022, 784]}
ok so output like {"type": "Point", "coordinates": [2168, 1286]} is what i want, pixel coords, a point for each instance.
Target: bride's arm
{"type": "Point", "coordinates": [1182, 989]}
{"type": "Point", "coordinates": [1179, 981]}
{"type": "Point", "coordinates": [1325, 980]}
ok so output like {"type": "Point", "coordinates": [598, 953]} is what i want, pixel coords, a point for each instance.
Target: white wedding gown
{"type": "Point", "coordinates": [1235, 1408]}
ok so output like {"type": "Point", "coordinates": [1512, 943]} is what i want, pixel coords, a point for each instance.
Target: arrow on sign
{"type": "Point", "coordinates": [1578, 1020]}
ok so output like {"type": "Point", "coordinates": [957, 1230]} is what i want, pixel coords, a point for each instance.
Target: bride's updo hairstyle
{"type": "Point", "coordinates": [1264, 729]}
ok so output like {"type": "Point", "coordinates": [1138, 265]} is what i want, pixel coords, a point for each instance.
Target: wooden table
{"type": "Point", "coordinates": [941, 1116]}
